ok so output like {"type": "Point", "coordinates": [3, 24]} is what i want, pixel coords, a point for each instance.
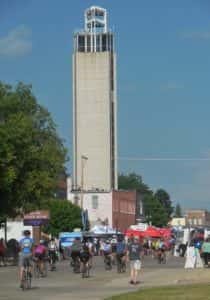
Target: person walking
{"type": "Point", "coordinates": [190, 257]}
{"type": "Point", "coordinates": [134, 255]}
{"type": "Point", "coordinates": [206, 252]}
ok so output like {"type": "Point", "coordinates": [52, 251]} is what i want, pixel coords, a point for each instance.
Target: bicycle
{"type": "Point", "coordinates": [107, 261]}
{"type": "Point", "coordinates": [161, 257]}
{"type": "Point", "coordinates": [85, 269]}
{"type": "Point", "coordinates": [52, 260]}
{"type": "Point", "coordinates": [76, 264]}
{"type": "Point", "coordinates": [26, 279]}
{"type": "Point", "coordinates": [121, 265]}
{"type": "Point", "coordinates": [37, 271]}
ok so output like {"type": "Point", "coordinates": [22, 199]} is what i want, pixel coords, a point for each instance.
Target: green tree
{"type": "Point", "coordinates": [178, 211]}
{"type": "Point", "coordinates": [64, 216]}
{"type": "Point", "coordinates": [154, 211]}
{"type": "Point", "coordinates": [164, 199]}
{"type": "Point", "coordinates": [32, 155]}
{"type": "Point", "coordinates": [132, 181]}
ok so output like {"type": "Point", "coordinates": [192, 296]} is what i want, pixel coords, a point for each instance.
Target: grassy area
{"type": "Point", "coordinates": [188, 292]}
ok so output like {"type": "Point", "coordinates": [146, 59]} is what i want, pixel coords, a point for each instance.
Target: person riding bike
{"type": "Point", "coordinates": [75, 252]}
{"type": "Point", "coordinates": [40, 253]}
{"type": "Point", "coordinates": [107, 252]}
{"type": "Point", "coordinates": [85, 256]}
{"type": "Point", "coordinates": [161, 251]}
{"type": "Point", "coordinates": [52, 250]}
{"type": "Point", "coordinates": [90, 246]}
{"type": "Point", "coordinates": [26, 245]}
{"type": "Point", "coordinates": [114, 248]}
{"type": "Point", "coordinates": [121, 251]}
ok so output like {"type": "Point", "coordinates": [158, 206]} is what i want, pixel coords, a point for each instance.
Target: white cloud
{"type": "Point", "coordinates": [197, 35]}
{"type": "Point", "coordinates": [16, 43]}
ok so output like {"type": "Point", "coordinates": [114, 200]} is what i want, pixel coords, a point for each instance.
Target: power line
{"type": "Point", "coordinates": [162, 159]}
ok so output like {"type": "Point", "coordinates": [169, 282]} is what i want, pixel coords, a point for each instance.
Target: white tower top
{"type": "Point", "coordinates": [96, 20]}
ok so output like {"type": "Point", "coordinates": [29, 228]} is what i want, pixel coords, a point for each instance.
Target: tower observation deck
{"type": "Point", "coordinates": [95, 37]}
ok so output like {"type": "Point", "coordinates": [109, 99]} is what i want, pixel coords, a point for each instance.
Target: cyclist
{"type": "Point", "coordinates": [52, 250]}
{"type": "Point", "coordinates": [161, 251]}
{"type": "Point", "coordinates": [75, 252]}
{"type": "Point", "coordinates": [26, 245]}
{"type": "Point", "coordinates": [90, 246]}
{"type": "Point", "coordinates": [40, 253]}
{"type": "Point", "coordinates": [114, 245]}
{"type": "Point", "coordinates": [121, 251]}
{"type": "Point", "coordinates": [85, 257]}
{"type": "Point", "coordinates": [107, 252]}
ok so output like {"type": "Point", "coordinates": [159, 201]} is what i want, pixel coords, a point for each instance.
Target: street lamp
{"type": "Point", "coordinates": [83, 161]}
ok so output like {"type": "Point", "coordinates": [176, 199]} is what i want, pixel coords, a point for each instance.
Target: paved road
{"type": "Point", "coordinates": [63, 284]}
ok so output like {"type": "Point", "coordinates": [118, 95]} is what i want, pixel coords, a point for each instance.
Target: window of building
{"type": "Point", "coordinates": [95, 202]}
{"type": "Point", "coordinates": [104, 42]}
{"type": "Point", "coordinates": [195, 221]}
{"type": "Point", "coordinates": [190, 221]}
{"type": "Point", "coordinates": [76, 200]}
{"type": "Point", "coordinates": [88, 43]}
{"type": "Point", "coordinates": [199, 221]}
{"type": "Point", "coordinates": [81, 43]}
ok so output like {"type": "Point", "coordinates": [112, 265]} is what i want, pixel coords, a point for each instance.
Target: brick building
{"type": "Point", "coordinates": [115, 208]}
{"type": "Point", "coordinates": [123, 209]}
{"type": "Point", "coordinates": [197, 218]}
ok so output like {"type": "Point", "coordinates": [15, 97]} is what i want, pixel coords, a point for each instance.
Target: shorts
{"type": "Point", "coordinates": [40, 256]}
{"type": "Point", "coordinates": [24, 257]}
{"type": "Point", "coordinates": [84, 258]}
{"type": "Point", "coordinates": [135, 264]}
{"type": "Point", "coordinates": [75, 254]}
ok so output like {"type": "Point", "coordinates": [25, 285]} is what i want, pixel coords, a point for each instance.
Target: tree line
{"type": "Point", "coordinates": [157, 206]}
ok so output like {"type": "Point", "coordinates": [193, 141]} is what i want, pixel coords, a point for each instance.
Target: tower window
{"type": "Point", "coordinates": [81, 43]}
{"type": "Point", "coordinates": [95, 202]}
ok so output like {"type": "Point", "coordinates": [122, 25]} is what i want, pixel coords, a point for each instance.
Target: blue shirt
{"type": "Point", "coordinates": [26, 244]}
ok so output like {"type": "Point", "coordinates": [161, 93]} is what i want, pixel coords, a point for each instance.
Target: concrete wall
{"type": "Point", "coordinates": [178, 222]}
{"type": "Point", "coordinates": [101, 211]}
{"type": "Point", "coordinates": [92, 119]}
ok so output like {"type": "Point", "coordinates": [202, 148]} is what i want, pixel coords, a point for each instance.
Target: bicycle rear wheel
{"type": "Point", "coordinates": [37, 272]}
{"type": "Point", "coordinates": [28, 280]}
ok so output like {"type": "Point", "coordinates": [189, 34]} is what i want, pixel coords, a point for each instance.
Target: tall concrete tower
{"type": "Point", "coordinates": [94, 105]}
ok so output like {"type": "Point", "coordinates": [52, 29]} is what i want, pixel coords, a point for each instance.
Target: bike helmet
{"type": "Point", "coordinates": [26, 232]}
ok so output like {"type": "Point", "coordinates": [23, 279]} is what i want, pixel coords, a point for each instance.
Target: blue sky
{"type": "Point", "coordinates": [163, 69]}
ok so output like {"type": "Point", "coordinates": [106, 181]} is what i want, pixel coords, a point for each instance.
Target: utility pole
{"type": "Point", "coordinates": [83, 161]}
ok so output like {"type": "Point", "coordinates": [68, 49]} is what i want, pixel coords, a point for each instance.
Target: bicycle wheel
{"type": "Point", "coordinates": [37, 272]}
{"type": "Point", "coordinates": [23, 283]}
{"type": "Point", "coordinates": [123, 267]}
{"type": "Point", "coordinates": [28, 280]}
{"type": "Point", "coordinates": [83, 270]}
{"type": "Point", "coordinates": [45, 270]}
{"type": "Point", "coordinates": [88, 271]}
